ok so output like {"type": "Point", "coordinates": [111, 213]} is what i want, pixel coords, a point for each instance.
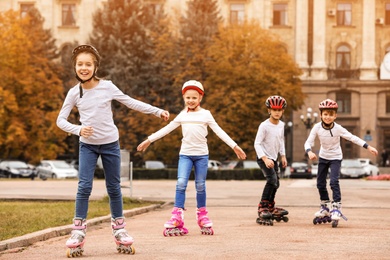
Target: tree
{"type": "Point", "coordinates": [31, 87]}
{"type": "Point", "coordinates": [247, 64]}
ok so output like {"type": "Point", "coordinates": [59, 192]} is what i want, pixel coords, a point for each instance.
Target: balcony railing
{"type": "Point", "coordinates": [343, 74]}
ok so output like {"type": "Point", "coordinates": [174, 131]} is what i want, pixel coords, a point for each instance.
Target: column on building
{"type": "Point", "coordinates": [368, 67]}
{"type": "Point", "coordinates": [319, 66]}
{"type": "Point", "coordinates": [301, 36]}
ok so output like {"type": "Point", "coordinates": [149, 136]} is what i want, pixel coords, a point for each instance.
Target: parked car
{"type": "Point", "coordinates": [56, 169]}
{"type": "Point", "coordinates": [154, 165]}
{"type": "Point", "coordinates": [314, 169]}
{"type": "Point", "coordinates": [214, 165]}
{"type": "Point", "coordinates": [351, 168]}
{"type": "Point", "coordinates": [16, 169]}
{"type": "Point", "coordinates": [300, 170]}
{"type": "Point", "coordinates": [245, 164]}
{"type": "Point", "coordinates": [370, 168]}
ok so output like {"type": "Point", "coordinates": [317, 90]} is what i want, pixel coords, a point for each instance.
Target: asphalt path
{"type": "Point", "coordinates": [232, 207]}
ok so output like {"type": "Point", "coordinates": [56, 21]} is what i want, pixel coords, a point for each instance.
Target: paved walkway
{"type": "Point", "coordinates": [232, 206]}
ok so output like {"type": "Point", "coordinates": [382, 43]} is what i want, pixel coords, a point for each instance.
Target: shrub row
{"type": "Point", "coordinates": [235, 174]}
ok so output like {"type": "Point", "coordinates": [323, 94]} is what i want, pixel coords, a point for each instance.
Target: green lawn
{"type": "Point", "coordinates": [22, 217]}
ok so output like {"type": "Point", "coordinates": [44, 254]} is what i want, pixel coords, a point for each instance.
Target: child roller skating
{"type": "Point", "coordinates": [264, 215]}
{"type": "Point", "coordinates": [76, 241]}
{"type": "Point", "coordinates": [269, 146]}
{"type": "Point", "coordinates": [278, 214]}
{"type": "Point", "coordinates": [204, 222]}
{"type": "Point", "coordinates": [124, 242]}
{"type": "Point", "coordinates": [329, 159]}
{"type": "Point", "coordinates": [175, 226]}
{"type": "Point", "coordinates": [323, 215]}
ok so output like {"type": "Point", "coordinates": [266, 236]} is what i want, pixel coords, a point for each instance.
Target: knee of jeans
{"type": "Point", "coordinates": [200, 186]}
{"type": "Point", "coordinates": [84, 191]}
{"type": "Point", "coordinates": [181, 184]}
{"type": "Point", "coordinates": [114, 193]}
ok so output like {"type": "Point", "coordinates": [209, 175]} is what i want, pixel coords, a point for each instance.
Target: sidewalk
{"type": "Point", "coordinates": [232, 206]}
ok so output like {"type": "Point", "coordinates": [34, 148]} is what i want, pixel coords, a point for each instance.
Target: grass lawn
{"type": "Point", "coordinates": [20, 217]}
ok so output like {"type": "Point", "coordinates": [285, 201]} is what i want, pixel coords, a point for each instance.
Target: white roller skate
{"type": "Point", "coordinates": [124, 242]}
{"type": "Point", "coordinates": [323, 215]}
{"type": "Point", "coordinates": [204, 222]}
{"type": "Point", "coordinates": [76, 241]}
{"type": "Point", "coordinates": [175, 226]}
{"type": "Point", "coordinates": [336, 214]}
{"type": "Point", "coordinates": [264, 215]}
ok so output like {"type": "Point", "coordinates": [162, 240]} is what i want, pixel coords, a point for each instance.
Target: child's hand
{"type": "Point", "coordinates": [312, 156]}
{"type": "Point", "coordinates": [143, 146]}
{"type": "Point", "coordinates": [269, 163]}
{"type": "Point", "coordinates": [372, 150]}
{"type": "Point", "coordinates": [165, 115]}
{"type": "Point", "coordinates": [86, 131]}
{"type": "Point", "coordinates": [239, 152]}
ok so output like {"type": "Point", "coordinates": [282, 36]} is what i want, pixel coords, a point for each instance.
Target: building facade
{"type": "Point", "coordinates": [338, 44]}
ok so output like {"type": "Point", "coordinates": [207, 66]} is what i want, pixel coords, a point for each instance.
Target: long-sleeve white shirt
{"type": "Point", "coordinates": [95, 110]}
{"type": "Point", "coordinates": [330, 140]}
{"type": "Point", "coordinates": [194, 130]}
{"type": "Point", "coordinates": [269, 140]}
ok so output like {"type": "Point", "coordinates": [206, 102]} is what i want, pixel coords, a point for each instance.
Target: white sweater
{"type": "Point", "coordinates": [269, 140]}
{"type": "Point", "coordinates": [194, 130]}
{"type": "Point", "coordinates": [95, 110]}
{"type": "Point", "coordinates": [330, 140]}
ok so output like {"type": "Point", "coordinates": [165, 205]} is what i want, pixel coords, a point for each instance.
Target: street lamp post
{"type": "Point", "coordinates": [311, 118]}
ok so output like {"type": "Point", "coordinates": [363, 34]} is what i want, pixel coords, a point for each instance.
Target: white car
{"type": "Point", "coordinates": [56, 169]}
{"type": "Point", "coordinates": [214, 165]}
{"type": "Point", "coordinates": [370, 168]}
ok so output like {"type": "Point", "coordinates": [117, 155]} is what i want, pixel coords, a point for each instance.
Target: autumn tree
{"type": "Point", "coordinates": [30, 88]}
{"type": "Point", "coordinates": [247, 64]}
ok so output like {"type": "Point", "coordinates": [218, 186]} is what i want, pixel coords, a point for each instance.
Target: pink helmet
{"type": "Point", "coordinates": [328, 104]}
{"type": "Point", "coordinates": [276, 102]}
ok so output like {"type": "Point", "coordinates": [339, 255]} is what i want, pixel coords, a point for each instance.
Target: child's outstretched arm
{"type": "Point", "coordinates": [239, 152]}
{"type": "Point", "coordinates": [143, 146]}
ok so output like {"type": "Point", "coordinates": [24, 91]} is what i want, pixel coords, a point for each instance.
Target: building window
{"type": "Point", "coordinates": [24, 8]}
{"type": "Point", "coordinates": [237, 13]}
{"type": "Point", "coordinates": [387, 103]}
{"type": "Point", "coordinates": [69, 15]}
{"type": "Point", "coordinates": [280, 14]}
{"type": "Point", "coordinates": [343, 100]}
{"type": "Point", "coordinates": [344, 14]}
{"type": "Point", "coordinates": [387, 14]}
{"type": "Point", "coordinates": [343, 58]}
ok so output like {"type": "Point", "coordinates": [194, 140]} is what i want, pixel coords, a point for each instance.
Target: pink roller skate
{"type": "Point", "coordinates": [204, 222]}
{"type": "Point", "coordinates": [76, 241]}
{"type": "Point", "coordinates": [124, 242]}
{"type": "Point", "coordinates": [175, 226]}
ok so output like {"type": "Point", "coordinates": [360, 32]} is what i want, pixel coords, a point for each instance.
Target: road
{"type": "Point", "coordinates": [232, 206]}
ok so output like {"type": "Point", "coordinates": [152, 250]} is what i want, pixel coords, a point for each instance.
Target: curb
{"type": "Point", "coordinates": [18, 243]}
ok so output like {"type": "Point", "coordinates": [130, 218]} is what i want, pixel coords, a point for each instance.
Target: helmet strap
{"type": "Point", "coordinates": [192, 109]}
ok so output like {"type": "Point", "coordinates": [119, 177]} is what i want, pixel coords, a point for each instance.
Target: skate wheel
{"type": "Point", "coordinates": [285, 219]}
{"type": "Point", "coordinates": [68, 254]}
{"type": "Point", "coordinates": [315, 221]}
{"type": "Point", "coordinates": [132, 250]}
{"type": "Point", "coordinates": [278, 220]}
{"type": "Point", "coordinates": [335, 223]}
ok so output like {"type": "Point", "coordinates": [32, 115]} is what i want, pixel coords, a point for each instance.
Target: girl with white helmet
{"type": "Point", "coordinates": [194, 153]}
{"type": "Point", "coordinates": [329, 161]}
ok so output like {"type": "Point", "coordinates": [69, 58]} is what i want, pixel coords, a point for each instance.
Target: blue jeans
{"type": "Point", "coordinates": [334, 175]}
{"type": "Point", "coordinates": [183, 174]}
{"type": "Point", "coordinates": [111, 159]}
{"type": "Point", "coordinates": [272, 178]}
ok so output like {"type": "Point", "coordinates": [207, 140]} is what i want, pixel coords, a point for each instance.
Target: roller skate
{"type": "Point", "coordinates": [336, 214]}
{"type": "Point", "coordinates": [124, 242]}
{"type": "Point", "coordinates": [323, 215]}
{"type": "Point", "coordinates": [76, 241]}
{"type": "Point", "coordinates": [175, 226]}
{"type": "Point", "coordinates": [278, 214]}
{"type": "Point", "coordinates": [204, 222]}
{"type": "Point", "coordinates": [265, 217]}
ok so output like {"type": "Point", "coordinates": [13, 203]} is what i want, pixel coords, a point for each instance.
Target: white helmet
{"type": "Point", "coordinates": [193, 84]}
